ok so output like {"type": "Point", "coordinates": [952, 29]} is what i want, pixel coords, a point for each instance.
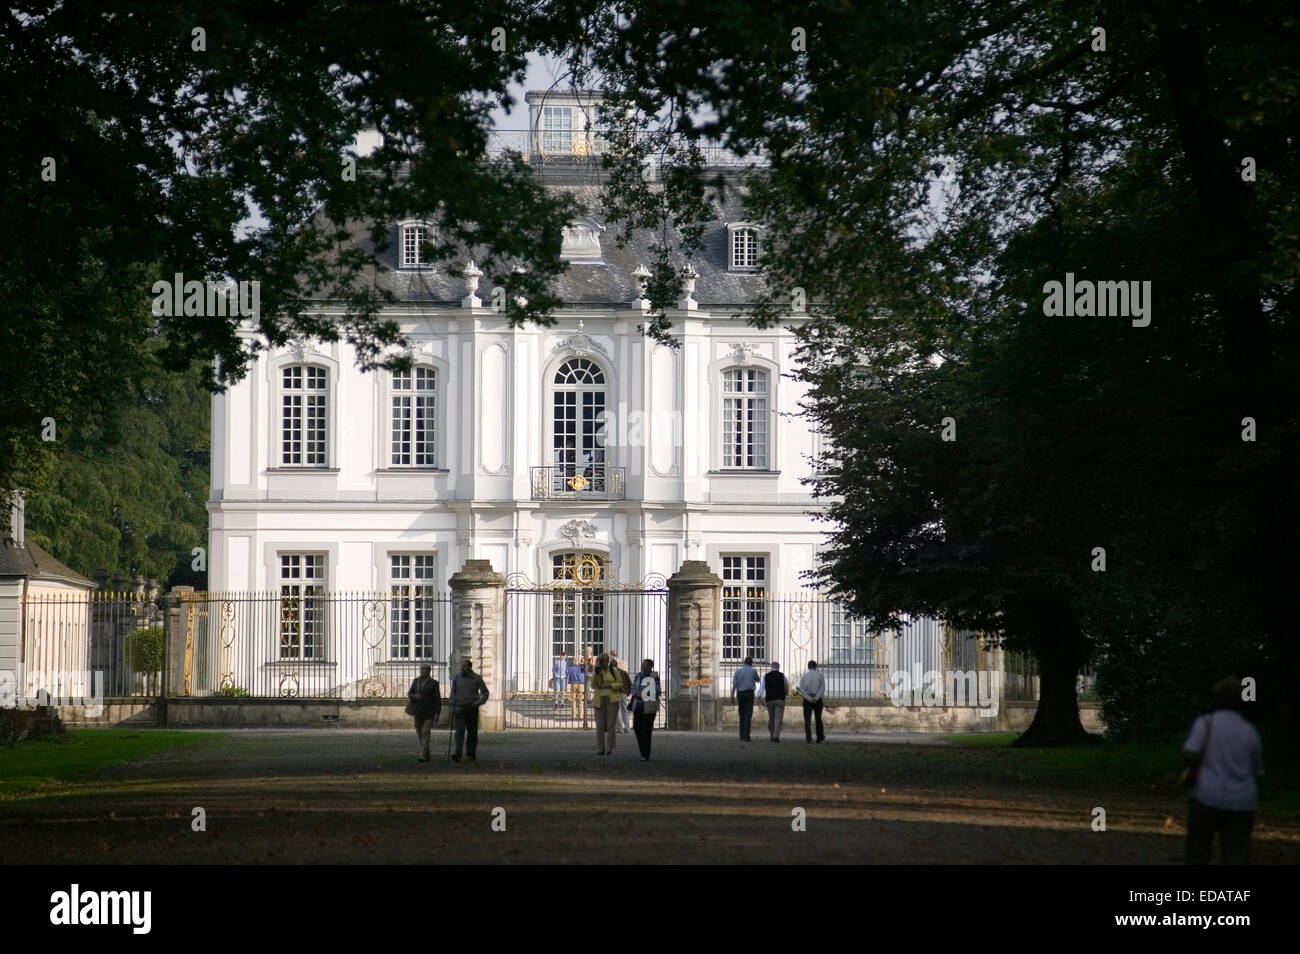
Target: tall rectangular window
{"type": "Point", "coordinates": [303, 397]}
{"type": "Point", "coordinates": [302, 606]}
{"type": "Point", "coordinates": [744, 419]}
{"type": "Point", "coordinates": [744, 248]}
{"type": "Point", "coordinates": [414, 238]}
{"type": "Point", "coordinates": [414, 419]}
{"type": "Point", "coordinates": [415, 622]}
{"type": "Point", "coordinates": [744, 607]}
{"type": "Point", "coordinates": [557, 129]}
{"type": "Point", "coordinates": [850, 641]}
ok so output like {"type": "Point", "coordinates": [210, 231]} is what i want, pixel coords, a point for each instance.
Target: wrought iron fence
{"type": "Point", "coordinates": [794, 629]}
{"type": "Point", "coordinates": [317, 645]}
{"type": "Point", "coordinates": [1023, 683]}
{"type": "Point", "coordinates": [78, 645]}
{"type": "Point", "coordinates": [568, 616]}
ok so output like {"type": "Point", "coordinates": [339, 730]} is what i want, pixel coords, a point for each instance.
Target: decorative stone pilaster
{"type": "Point", "coordinates": [694, 618]}
{"type": "Point", "coordinates": [478, 607]}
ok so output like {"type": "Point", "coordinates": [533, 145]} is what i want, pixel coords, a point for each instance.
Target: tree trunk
{"type": "Point", "coordinates": [1057, 720]}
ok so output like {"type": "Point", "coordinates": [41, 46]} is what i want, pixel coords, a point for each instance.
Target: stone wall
{"type": "Point", "coordinates": [867, 716]}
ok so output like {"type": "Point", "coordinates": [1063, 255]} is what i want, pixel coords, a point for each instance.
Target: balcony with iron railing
{"type": "Point", "coordinates": [578, 482]}
{"type": "Point", "coordinates": [578, 145]}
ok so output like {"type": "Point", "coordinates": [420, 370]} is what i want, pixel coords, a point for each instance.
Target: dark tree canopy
{"type": "Point", "coordinates": [143, 136]}
{"type": "Point", "coordinates": [932, 166]}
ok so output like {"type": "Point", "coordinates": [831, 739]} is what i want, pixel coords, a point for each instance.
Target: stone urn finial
{"type": "Point", "coordinates": [689, 275]}
{"type": "Point", "coordinates": [472, 274]}
{"type": "Point", "coordinates": [642, 276]}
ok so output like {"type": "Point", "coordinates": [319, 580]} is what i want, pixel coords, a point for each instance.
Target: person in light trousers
{"type": "Point", "coordinates": [775, 690]}
{"type": "Point", "coordinates": [560, 678]}
{"type": "Point", "coordinates": [606, 697]}
{"type": "Point", "coordinates": [623, 712]}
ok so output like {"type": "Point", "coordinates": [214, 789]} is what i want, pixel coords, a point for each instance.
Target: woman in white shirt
{"type": "Point", "coordinates": [1223, 755]}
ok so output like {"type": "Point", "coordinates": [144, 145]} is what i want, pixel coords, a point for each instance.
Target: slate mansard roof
{"type": "Point", "coordinates": [608, 284]}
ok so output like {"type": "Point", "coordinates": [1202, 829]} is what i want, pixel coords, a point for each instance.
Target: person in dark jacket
{"type": "Point", "coordinates": [646, 695]}
{"type": "Point", "coordinates": [468, 694]}
{"type": "Point", "coordinates": [425, 697]}
{"type": "Point", "coordinates": [775, 689]}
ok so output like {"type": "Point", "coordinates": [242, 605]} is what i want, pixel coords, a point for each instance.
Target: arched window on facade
{"type": "Point", "coordinates": [577, 415]}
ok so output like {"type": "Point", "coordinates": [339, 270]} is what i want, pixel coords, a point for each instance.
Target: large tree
{"type": "Point", "coordinates": [931, 166]}
{"type": "Point", "coordinates": [217, 141]}
{"type": "Point", "coordinates": [129, 494]}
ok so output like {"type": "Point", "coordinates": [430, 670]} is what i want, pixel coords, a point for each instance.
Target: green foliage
{"type": "Point", "coordinates": [130, 496]}
{"type": "Point", "coordinates": [933, 164]}
{"type": "Point", "coordinates": [232, 692]}
{"type": "Point", "coordinates": [161, 150]}
{"type": "Point", "coordinates": [143, 649]}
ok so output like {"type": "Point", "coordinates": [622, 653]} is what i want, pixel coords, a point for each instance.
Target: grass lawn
{"type": "Point", "coordinates": [1152, 767]}
{"type": "Point", "coordinates": [33, 765]}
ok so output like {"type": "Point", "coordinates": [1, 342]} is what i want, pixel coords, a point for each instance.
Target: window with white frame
{"type": "Point", "coordinates": [416, 618]}
{"type": "Point", "coordinates": [744, 247]}
{"type": "Point", "coordinates": [850, 640]}
{"type": "Point", "coordinates": [744, 419]}
{"type": "Point", "coordinates": [557, 129]}
{"type": "Point", "coordinates": [303, 420]}
{"type": "Point", "coordinates": [414, 400]}
{"type": "Point", "coordinates": [415, 236]}
{"type": "Point", "coordinates": [744, 607]}
{"type": "Point", "coordinates": [302, 606]}
{"type": "Point", "coordinates": [577, 420]}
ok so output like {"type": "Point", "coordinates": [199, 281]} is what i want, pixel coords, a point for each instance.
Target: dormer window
{"type": "Point", "coordinates": [414, 241]}
{"type": "Point", "coordinates": [580, 242]}
{"type": "Point", "coordinates": [566, 123]}
{"type": "Point", "coordinates": [744, 247]}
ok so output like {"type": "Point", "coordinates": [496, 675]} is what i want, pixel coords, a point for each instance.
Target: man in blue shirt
{"type": "Point", "coordinates": [577, 690]}
{"type": "Point", "coordinates": [742, 693]}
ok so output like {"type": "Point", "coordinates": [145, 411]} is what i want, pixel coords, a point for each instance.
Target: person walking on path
{"type": "Point", "coordinates": [623, 718]}
{"type": "Point", "coordinates": [775, 689]}
{"type": "Point", "coordinates": [560, 677]}
{"type": "Point", "coordinates": [812, 687]}
{"type": "Point", "coordinates": [468, 694]}
{"type": "Point", "coordinates": [606, 697]}
{"type": "Point", "coordinates": [577, 691]}
{"type": "Point", "coordinates": [425, 697]}
{"type": "Point", "coordinates": [1224, 757]}
{"type": "Point", "coordinates": [742, 693]}
{"type": "Point", "coordinates": [645, 706]}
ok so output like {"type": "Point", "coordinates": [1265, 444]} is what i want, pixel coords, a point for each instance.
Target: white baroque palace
{"type": "Point", "coordinates": [523, 446]}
